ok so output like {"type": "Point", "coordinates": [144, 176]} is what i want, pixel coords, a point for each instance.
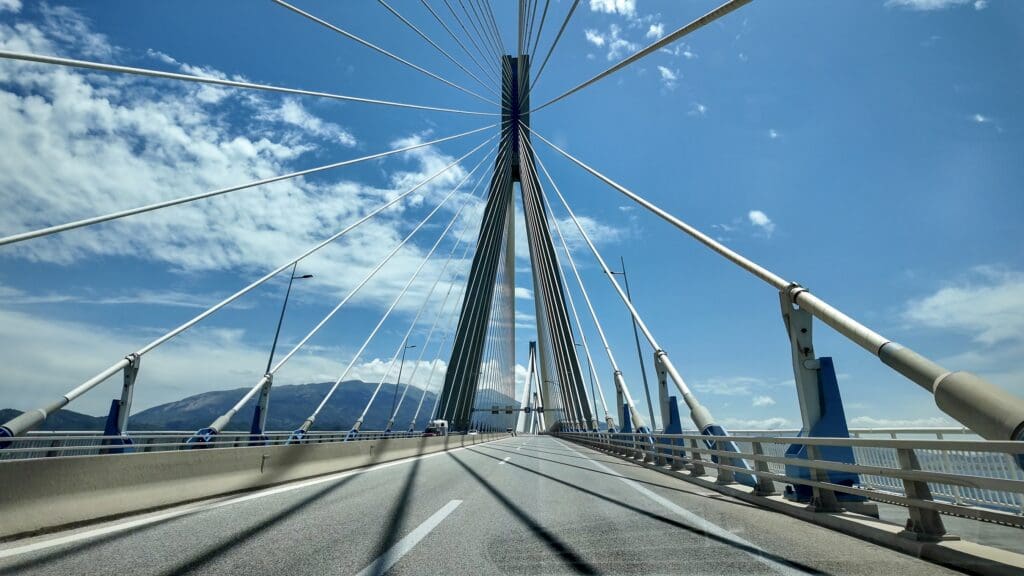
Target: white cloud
{"type": "Point", "coordinates": [524, 293]}
{"type": "Point", "coordinates": [981, 119]}
{"type": "Point", "coordinates": [761, 220]}
{"type": "Point", "coordinates": [622, 7]}
{"type": "Point", "coordinates": [773, 133]}
{"type": "Point", "coordinates": [697, 109]}
{"type": "Point", "coordinates": [172, 298]}
{"type": "Point", "coordinates": [774, 423]}
{"type": "Point", "coordinates": [617, 45]}
{"type": "Point", "coordinates": [78, 145]}
{"type": "Point", "coordinates": [10, 5]}
{"type": "Point", "coordinates": [730, 386]}
{"type": "Point", "coordinates": [926, 5]}
{"type": "Point", "coordinates": [763, 401]}
{"type": "Point", "coordinates": [594, 37]}
{"type": "Point", "coordinates": [293, 113]}
{"type": "Point", "coordinates": [988, 306]}
{"type": "Point", "coordinates": [208, 359]}
{"type": "Point", "coordinates": [656, 30]}
{"type": "Point", "coordinates": [871, 422]}
{"type": "Point", "coordinates": [668, 77]}
{"type": "Point", "coordinates": [680, 49]}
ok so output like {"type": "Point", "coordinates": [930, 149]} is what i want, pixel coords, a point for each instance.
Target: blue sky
{"type": "Point", "coordinates": [869, 150]}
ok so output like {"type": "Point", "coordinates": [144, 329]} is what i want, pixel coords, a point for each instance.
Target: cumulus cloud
{"type": "Point", "coordinates": [594, 37]}
{"type": "Point", "coordinates": [697, 109]}
{"type": "Point", "coordinates": [621, 7]}
{"type": "Point", "coordinates": [292, 112]}
{"type": "Point", "coordinates": [761, 221]}
{"type": "Point", "coordinates": [773, 133]}
{"type": "Point", "coordinates": [524, 293]}
{"type": "Point", "coordinates": [79, 144]}
{"type": "Point", "coordinates": [987, 305]}
{"type": "Point", "coordinates": [10, 5]}
{"type": "Point", "coordinates": [617, 45]}
{"type": "Point", "coordinates": [763, 401]}
{"type": "Point", "coordinates": [656, 30]}
{"type": "Point", "coordinates": [668, 77]}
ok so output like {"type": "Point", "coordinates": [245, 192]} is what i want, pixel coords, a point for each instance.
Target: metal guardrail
{"type": "Point", "coordinates": [86, 443]}
{"type": "Point", "coordinates": [969, 478]}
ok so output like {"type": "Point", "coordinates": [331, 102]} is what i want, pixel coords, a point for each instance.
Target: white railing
{"type": "Point", "coordinates": [976, 479]}
{"type": "Point", "coordinates": [84, 443]}
{"type": "Point", "coordinates": [972, 463]}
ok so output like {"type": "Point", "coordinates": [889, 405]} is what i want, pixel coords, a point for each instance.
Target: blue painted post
{"type": "Point", "coordinates": [830, 424]}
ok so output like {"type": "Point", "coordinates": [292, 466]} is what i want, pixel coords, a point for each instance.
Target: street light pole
{"type": "Point", "coordinates": [259, 416]}
{"type": "Point", "coordinates": [394, 397]}
{"type": "Point", "coordinates": [280, 319]}
{"type": "Point", "coordinates": [639, 351]}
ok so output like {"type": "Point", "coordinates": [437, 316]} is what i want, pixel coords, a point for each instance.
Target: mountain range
{"type": "Point", "coordinates": [289, 407]}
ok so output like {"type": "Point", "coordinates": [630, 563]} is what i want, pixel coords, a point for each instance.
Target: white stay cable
{"type": "Point", "coordinates": [376, 48]}
{"type": "Point", "coordinates": [655, 46]}
{"type": "Point", "coordinates": [220, 82]}
{"type": "Point", "coordinates": [436, 46]}
{"type": "Point", "coordinates": [637, 419]}
{"type": "Point", "coordinates": [309, 421]}
{"type": "Point", "coordinates": [487, 71]}
{"type": "Point", "coordinates": [437, 316]}
{"type": "Point", "coordinates": [572, 306]}
{"type": "Point", "coordinates": [221, 422]}
{"type": "Point", "coordinates": [423, 305]}
{"type": "Point", "coordinates": [186, 199]}
{"type": "Point", "coordinates": [29, 420]}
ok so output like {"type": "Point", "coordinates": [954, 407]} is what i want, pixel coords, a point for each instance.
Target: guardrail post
{"type": "Point", "coordinates": [765, 485]}
{"type": "Point", "coordinates": [696, 462]}
{"type": "Point", "coordinates": [117, 418]}
{"type": "Point", "coordinates": [822, 499]}
{"type": "Point", "coordinates": [923, 524]}
{"type": "Point", "coordinates": [676, 462]}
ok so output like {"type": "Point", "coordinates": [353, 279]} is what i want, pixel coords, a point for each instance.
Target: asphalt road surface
{"type": "Point", "coordinates": [523, 505]}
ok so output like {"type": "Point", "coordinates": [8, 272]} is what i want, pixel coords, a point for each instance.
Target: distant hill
{"type": "Point", "coordinates": [289, 406]}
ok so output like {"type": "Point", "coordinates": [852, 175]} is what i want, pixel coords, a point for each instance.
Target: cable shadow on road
{"type": "Point", "coordinates": [674, 523]}
{"type": "Point", "coordinates": [226, 545]}
{"type": "Point", "coordinates": [567, 554]}
{"type": "Point", "coordinates": [647, 482]}
{"type": "Point", "coordinates": [396, 521]}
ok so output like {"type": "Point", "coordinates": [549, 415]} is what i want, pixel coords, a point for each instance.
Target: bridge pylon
{"type": "Point", "coordinates": [557, 363]}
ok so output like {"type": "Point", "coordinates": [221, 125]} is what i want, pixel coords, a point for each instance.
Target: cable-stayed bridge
{"type": "Point", "coordinates": [556, 479]}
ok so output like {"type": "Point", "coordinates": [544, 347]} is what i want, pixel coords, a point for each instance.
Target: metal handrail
{"type": "Point", "coordinates": [995, 499]}
{"type": "Point", "coordinates": [80, 443]}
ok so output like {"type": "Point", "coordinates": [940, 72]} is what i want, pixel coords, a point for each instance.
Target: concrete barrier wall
{"type": "Point", "coordinates": [48, 493]}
